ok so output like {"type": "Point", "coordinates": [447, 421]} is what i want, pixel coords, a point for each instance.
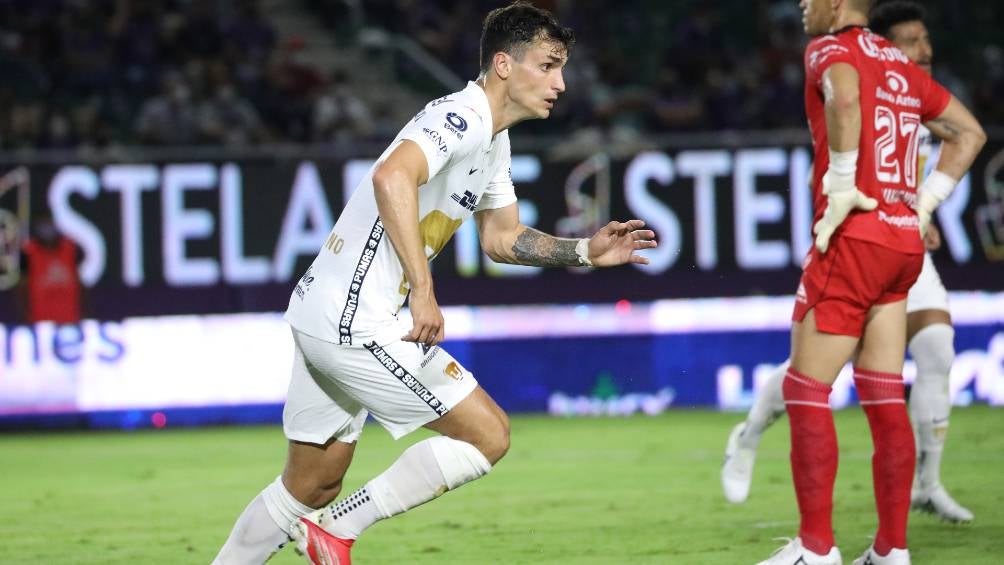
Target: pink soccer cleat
{"type": "Point", "coordinates": [318, 546]}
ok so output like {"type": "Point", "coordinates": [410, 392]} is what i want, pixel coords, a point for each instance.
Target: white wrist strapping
{"type": "Point", "coordinates": [842, 169]}
{"type": "Point", "coordinates": [582, 250]}
{"type": "Point", "coordinates": [936, 188]}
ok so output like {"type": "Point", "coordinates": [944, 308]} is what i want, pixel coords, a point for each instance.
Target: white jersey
{"type": "Point", "coordinates": [352, 292]}
{"type": "Point", "coordinates": [928, 293]}
{"type": "Point", "coordinates": [928, 150]}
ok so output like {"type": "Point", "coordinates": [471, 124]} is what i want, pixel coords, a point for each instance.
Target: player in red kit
{"type": "Point", "coordinates": [929, 329]}
{"type": "Point", "coordinates": [865, 102]}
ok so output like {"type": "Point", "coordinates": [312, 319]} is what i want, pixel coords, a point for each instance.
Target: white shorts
{"type": "Point", "coordinates": [402, 384]}
{"type": "Point", "coordinates": [928, 293]}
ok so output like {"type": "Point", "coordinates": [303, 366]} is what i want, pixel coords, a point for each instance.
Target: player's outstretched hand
{"type": "Point", "coordinates": [841, 197]}
{"type": "Point", "coordinates": [616, 243]}
{"type": "Point", "coordinates": [428, 324]}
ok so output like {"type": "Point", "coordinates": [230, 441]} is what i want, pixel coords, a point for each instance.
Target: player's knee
{"type": "Point", "coordinates": [503, 433]}
{"type": "Point", "coordinates": [933, 350]}
{"type": "Point", "coordinates": [493, 442]}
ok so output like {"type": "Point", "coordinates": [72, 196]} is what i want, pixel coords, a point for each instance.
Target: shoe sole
{"type": "Point", "coordinates": [929, 508]}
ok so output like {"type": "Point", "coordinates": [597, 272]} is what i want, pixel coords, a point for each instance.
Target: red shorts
{"type": "Point", "coordinates": [854, 275]}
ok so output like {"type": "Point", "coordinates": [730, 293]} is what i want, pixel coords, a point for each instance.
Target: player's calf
{"type": "Point", "coordinates": [881, 396]}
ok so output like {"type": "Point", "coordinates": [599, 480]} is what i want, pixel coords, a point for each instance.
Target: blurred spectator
{"type": "Point", "coordinates": [86, 37]}
{"type": "Point", "coordinates": [170, 117]}
{"type": "Point", "coordinates": [677, 104]}
{"type": "Point", "coordinates": [340, 115]}
{"type": "Point", "coordinates": [227, 118]}
{"type": "Point", "coordinates": [91, 74]}
{"type": "Point", "coordinates": [249, 34]}
{"type": "Point", "coordinates": [140, 46]}
{"type": "Point", "coordinates": [50, 287]}
{"type": "Point", "coordinates": [291, 82]}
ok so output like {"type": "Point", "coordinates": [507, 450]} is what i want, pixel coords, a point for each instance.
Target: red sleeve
{"type": "Point", "coordinates": [823, 52]}
{"type": "Point", "coordinates": [934, 97]}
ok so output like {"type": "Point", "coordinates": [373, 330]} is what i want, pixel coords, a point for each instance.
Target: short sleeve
{"type": "Point", "coordinates": [823, 52]}
{"type": "Point", "coordinates": [935, 98]}
{"type": "Point", "coordinates": [500, 191]}
{"type": "Point", "coordinates": [445, 132]}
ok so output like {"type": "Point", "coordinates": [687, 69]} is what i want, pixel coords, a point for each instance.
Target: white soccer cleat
{"type": "Point", "coordinates": [937, 501]}
{"type": "Point", "coordinates": [794, 554]}
{"type": "Point", "coordinates": [737, 469]}
{"type": "Point", "coordinates": [895, 557]}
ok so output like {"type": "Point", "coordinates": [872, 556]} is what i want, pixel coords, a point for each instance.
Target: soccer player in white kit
{"type": "Point", "coordinates": [929, 330]}
{"type": "Point", "coordinates": [354, 356]}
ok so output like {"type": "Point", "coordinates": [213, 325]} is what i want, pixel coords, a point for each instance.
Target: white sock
{"type": "Point", "coordinates": [768, 406]}
{"type": "Point", "coordinates": [930, 404]}
{"type": "Point", "coordinates": [424, 471]}
{"type": "Point", "coordinates": [263, 528]}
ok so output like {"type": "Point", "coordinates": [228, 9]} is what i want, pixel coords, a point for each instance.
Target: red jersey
{"type": "Point", "coordinates": [896, 97]}
{"type": "Point", "coordinates": [53, 282]}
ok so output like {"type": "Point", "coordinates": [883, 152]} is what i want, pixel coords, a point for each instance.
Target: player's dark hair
{"type": "Point", "coordinates": [888, 14]}
{"type": "Point", "coordinates": [514, 28]}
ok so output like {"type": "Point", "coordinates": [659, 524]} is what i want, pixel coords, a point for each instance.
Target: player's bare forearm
{"type": "Point", "coordinates": [842, 107]}
{"type": "Point", "coordinates": [534, 247]}
{"type": "Point", "coordinates": [962, 137]}
{"type": "Point", "coordinates": [943, 130]}
{"type": "Point", "coordinates": [506, 240]}
{"type": "Point", "coordinates": [397, 201]}
{"type": "Point", "coordinates": [395, 187]}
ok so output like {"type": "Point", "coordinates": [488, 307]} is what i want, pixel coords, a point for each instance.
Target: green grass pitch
{"type": "Point", "coordinates": [640, 490]}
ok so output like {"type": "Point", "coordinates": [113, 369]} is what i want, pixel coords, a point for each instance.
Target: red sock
{"type": "Point", "coordinates": [893, 461]}
{"type": "Point", "coordinates": [813, 457]}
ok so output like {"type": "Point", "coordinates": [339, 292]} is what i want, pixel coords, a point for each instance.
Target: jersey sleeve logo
{"type": "Point", "coordinates": [456, 124]}
{"type": "Point", "coordinates": [436, 137]}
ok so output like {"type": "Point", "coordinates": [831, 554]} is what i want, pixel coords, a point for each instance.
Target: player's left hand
{"type": "Point", "coordinates": [616, 243]}
{"type": "Point", "coordinates": [841, 197]}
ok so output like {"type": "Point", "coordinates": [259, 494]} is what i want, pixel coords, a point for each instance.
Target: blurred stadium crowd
{"type": "Point", "coordinates": [94, 74]}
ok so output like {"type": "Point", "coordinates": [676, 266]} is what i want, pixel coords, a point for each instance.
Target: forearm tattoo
{"type": "Point", "coordinates": [539, 249]}
{"type": "Point", "coordinates": [943, 129]}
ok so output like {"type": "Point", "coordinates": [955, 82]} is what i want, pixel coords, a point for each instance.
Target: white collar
{"type": "Point", "coordinates": [479, 100]}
